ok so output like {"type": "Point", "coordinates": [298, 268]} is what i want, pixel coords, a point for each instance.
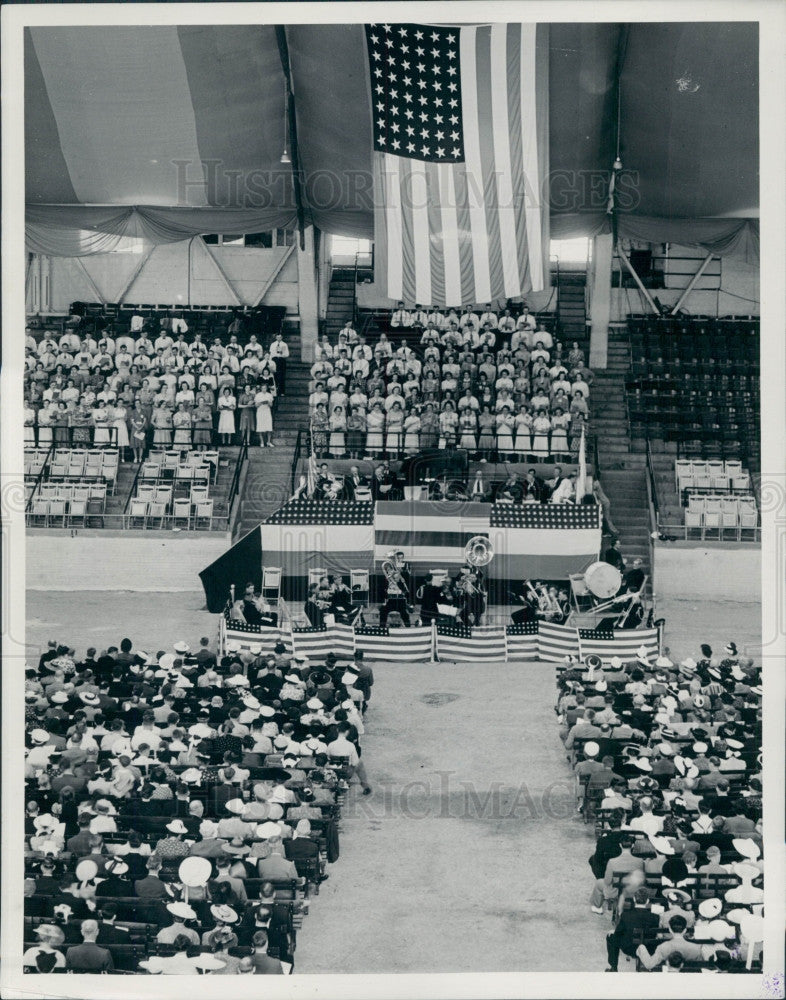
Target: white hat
{"type": "Point", "coordinates": [88, 697]}
{"type": "Point", "coordinates": [591, 749]}
{"type": "Point", "coordinates": [181, 647]}
{"type": "Point", "coordinates": [314, 703]}
{"type": "Point", "coordinates": [661, 844]}
{"type": "Point", "coordinates": [58, 698]}
{"type": "Point", "coordinates": [177, 826]}
{"type": "Point", "coordinates": [663, 661]}
{"type": "Point", "coordinates": [182, 910]}
{"type": "Point", "coordinates": [267, 830]}
{"type": "Point", "coordinates": [38, 737]}
{"type": "Point", "coordinates": [116, 866]}
{"type": "Point", "coordinates": [720, 930]}
{"type": "Point", "coordinates": [601, 686]}
{"type": "Point", "coordinates": [236, 806]}
{"type": "Point", "coordinates": [267, 711]}
{"type": "Point", "coordinates": [191, 776]}
{"type": "Point", "coordinates": [224, 913]}
{"type": "Point", "coordinates": [642, 764]}
{"type": "Point", "coordinates": [208, 829]}
{"type": "Point", "coordinates": [710, 908]}
{"type": "Point", "coordinates": [167, 661]}
{"type": "Point", "coordinates": [747, 848]}
{"type": "Point", "coordinates": [293, 678]}
{"type": "Point", "coordinates": [615, 662]}
{"type": "Point", "coordinates": [86, 870]}
{"type": "Point", "coordinates": [250, 701]}
{"type": "Point", "coordinates": [348, 678]}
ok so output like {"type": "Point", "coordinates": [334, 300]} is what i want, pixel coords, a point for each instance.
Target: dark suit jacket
{"type": "Point", "coordinates": [630, 921]}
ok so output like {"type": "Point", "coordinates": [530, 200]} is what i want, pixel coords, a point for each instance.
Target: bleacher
{"type": "Point", "coordinates": [695, 382]}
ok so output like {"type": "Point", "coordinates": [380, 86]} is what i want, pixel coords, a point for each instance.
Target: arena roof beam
{"type": "Point", "coordinates": [692, 283]}
{"type": "Point", "coordinates": [637, 279]}
{"type": "Point", "coordinates": [137, 271]}
{"type": "Point", "coordinates": [99, 297]}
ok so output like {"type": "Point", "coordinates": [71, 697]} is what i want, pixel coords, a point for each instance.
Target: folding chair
{"type": "Point", "coordinates": [730, 516]}
{"type": "Point", "coordinates": [77, 511]}
{"type": "Point", "coordinates": [40, 511]}
{"type": "Point", "coordinates": [712, 516]}
{"type": "Point", "coordinates": [203, 511]}
{"type": "Point", "coordinates": [57, 508]}
{"type": "Point", "coordinates": [315, 574]}
{"type": "Point", "coordinates": [683, 469]}
{"type": "Point", "coordinates": [181, 511]}
{"type": "Point", "coordinates": [156, 510]}
{"type": "Point", "coordinates": [199, 494]}
{"type": "Point", "coordinates": [733, 468]}
{"type": "Point", "coordinates": [271, 584]}
{"type": "Point", "coordinates": [694, 516]}
{"type": "Point", "coordinates": [146, 493]}
{"type": "Point", "coordinates": [137, 513]}
{"type": "Point", "coordinates": [359, 585]}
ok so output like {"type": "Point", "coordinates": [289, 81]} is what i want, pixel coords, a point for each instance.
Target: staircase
{"type": "Point", "coordinates": [623, 472]}
{"type": "Point", "coordinates": [341, 301]}
{"type": "Point", "coordinates": [571, 308]}
{"type": "Point", "coordinates": [268, 478]}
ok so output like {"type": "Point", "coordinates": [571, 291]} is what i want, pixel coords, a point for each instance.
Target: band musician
{"type": "Point", "coordinates": [428, 595]}
{"type": "Point", "coordinates": [470, 595]}
{"type": "Point", "coordinates": [398, 588]}
{"type": "Point", "coordinates": [541, 603]}
{"type": "Point", "coordinates": [630, 614]}
{"type": "Point", "coordinates": [341, 606]}
{"type": "Point", "coordinates": [316, 605]}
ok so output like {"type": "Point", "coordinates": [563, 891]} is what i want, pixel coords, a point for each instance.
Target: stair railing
{"type": "Point", "coordinates": [295, 460]}
{"type": "Point", "coordinates": [234, 488]}
{"type": "Point", "coordinates": [652, 491]}
{"type": "Point", "coordinates": [40, 477]}
{"type": "Point", "coordinates": [355, 290]}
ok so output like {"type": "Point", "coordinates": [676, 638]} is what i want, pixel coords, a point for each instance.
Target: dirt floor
{"type": "Point", "coordinates": [469, 855]}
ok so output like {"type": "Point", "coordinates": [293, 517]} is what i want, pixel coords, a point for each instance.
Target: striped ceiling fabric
{"type": "Point", "coordinates": [111, 111]}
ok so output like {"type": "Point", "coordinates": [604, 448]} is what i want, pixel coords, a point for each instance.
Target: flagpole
{"type": "Point", "coordinates": [581, 482]}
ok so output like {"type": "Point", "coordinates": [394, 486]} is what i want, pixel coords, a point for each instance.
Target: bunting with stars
{"type": "Point", "coordinates": [457, 164]}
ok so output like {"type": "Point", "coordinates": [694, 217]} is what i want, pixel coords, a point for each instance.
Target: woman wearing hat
{"type": "Point", "coordinates": [45, 957]}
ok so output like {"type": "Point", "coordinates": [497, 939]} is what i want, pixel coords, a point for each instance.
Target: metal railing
{"type": "Point", "coordinates": [40, 477]}
{"type": "Point", "coordinates": [296, 459]}
{"type": "Point", "coordinates": [234, 488]}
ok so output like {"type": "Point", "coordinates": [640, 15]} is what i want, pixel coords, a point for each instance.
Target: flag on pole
{"type": "Point", "coordinates": [581, 479]}
{"type": "Point", "coordinates": [458, 157]}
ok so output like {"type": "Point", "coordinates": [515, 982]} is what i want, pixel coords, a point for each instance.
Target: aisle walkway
{"type": "Point", "coordinates": [469, 855]}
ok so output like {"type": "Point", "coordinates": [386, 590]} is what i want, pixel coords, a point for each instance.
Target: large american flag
{"type": "Point", "coordinates": [456, 161]}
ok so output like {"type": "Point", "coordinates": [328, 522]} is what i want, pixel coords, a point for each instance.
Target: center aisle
{"type": "Point", "coordinates": [469, 856]}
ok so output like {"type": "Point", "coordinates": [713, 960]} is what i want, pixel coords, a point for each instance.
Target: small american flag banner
{"type": "Point", "coordinates": [623, 643]}
{"type": "Point", "coordinates": [555, 642]}
{"type": "Point", "coordinates": [318, 642]}
{"type": "Point", "coordinates": [399, 645]}
{"type": "Point", "coordinates": [522, 641]}
{"type": "Point", "coordinates": [240, 637]}
{"type": "Point", "coordinates": [458, 642]}
{"type": "Point", "coordinates": [457, 153]}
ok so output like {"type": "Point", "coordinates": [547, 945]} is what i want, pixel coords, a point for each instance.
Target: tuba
{"type": "Point", "coordinates": [478, 551]}
{"type": "Point", "coordinates": [392, 571]}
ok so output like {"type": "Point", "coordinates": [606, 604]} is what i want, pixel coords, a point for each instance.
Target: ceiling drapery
{"type": "Point", "coordinates": [165, 132]}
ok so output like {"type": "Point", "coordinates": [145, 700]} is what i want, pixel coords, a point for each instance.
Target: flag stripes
{"type": "Point", "coordinates": [422, 644]}
{"type": "Point", "coordinates": [400, 645]}
{"type": "Point", "coordinates": [456, 162]}
{"type": "Point", "coordinates": [315, 642]}
{"type": "Point", "coordinates": [623, 643]}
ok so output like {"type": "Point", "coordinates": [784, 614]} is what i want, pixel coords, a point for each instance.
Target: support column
{"type": "Point", "coordinates": [602, 251]}
{"type": "Point", "coordinates": [307, 295]}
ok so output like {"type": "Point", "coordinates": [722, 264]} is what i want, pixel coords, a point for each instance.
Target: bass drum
{"type": "Point", "coordinates": [603, 580]}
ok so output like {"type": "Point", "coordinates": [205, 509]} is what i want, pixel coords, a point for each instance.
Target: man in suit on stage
{"type": "Point", "coordinates": [352, 481]}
